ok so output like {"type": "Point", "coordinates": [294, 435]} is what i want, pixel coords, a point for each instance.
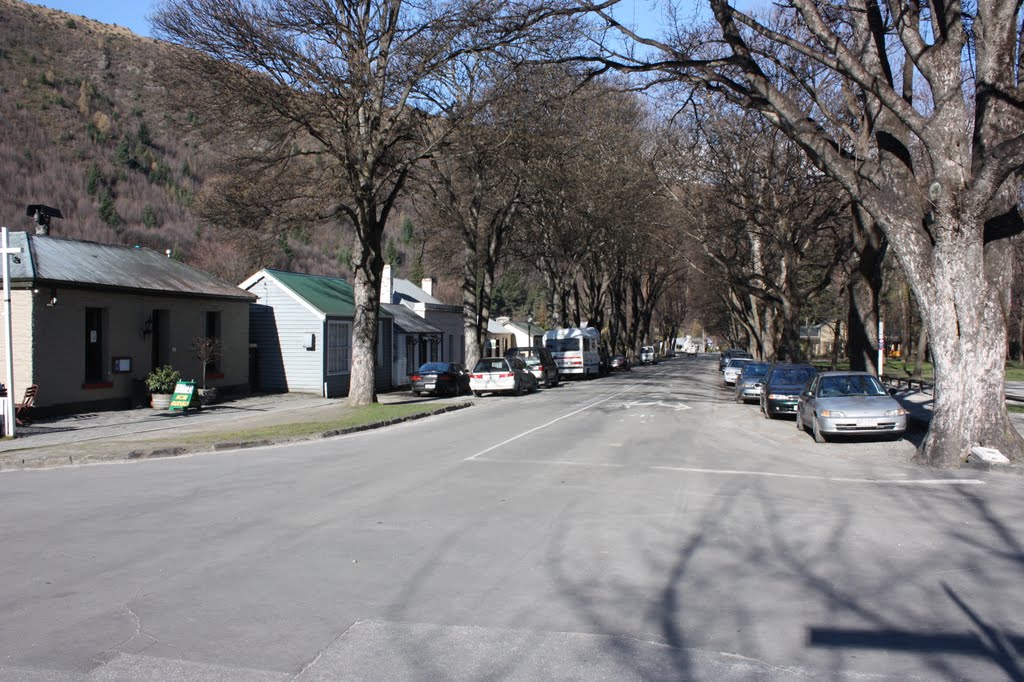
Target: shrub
{"type": "Point", "coordinates": [163, 379]}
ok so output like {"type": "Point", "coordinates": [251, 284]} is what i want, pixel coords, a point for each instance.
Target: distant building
{"type": "Point", "coordinates": [90, 321]}
{"type": "Point", "coordinates": [818, 340]}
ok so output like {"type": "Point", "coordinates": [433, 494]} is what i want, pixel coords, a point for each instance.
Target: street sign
{"type": "Point", "coordinates": [184, 391]}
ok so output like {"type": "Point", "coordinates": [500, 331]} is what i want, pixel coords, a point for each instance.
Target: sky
{"type": "Point", "coordinates": [128, 13]}
{"type": "Point", "coordinates": [132, 14]}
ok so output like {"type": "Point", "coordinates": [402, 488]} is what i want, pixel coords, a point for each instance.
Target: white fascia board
{"type": "Point", "coordinates": [263, 274]}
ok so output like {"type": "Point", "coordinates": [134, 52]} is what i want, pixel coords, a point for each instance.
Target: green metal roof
{"type": "Point", "coordinates": [332, 296]}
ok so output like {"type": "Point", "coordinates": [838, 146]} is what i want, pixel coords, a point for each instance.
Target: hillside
{"type": "Point", "coordinates": [89, 129]}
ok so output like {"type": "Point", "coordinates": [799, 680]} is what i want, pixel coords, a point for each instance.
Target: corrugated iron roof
{"type": "Point", "coordinates": [53, 261]}
{"type": "Point", "coordinates": [409, 322]}
{"type": "Point", "coordinates": [332, 296]}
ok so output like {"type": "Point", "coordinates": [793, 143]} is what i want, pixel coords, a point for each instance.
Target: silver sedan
{"type": "Point", "coordinates": [848, 403]}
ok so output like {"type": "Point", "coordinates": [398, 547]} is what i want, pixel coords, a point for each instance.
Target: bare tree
{"type": "Point", "coordinates": [948, 218]}
{"type": "Point", "coordinates": [359, 88]}
{"type": "Point", "coordinates": [773, 224]}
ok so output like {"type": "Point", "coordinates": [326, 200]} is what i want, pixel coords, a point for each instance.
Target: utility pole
{"type": "Point", "coordinates": [9, 418]}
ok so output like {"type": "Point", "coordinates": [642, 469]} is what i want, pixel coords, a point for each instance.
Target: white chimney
{"type": "Point", "coordinates": [428, 285]}
{"type": "Point", "coordinates": [387, 284]}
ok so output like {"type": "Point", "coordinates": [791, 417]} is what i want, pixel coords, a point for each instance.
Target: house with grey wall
{"type": "Point", "coordinates": [438, 337]}
{"type": "Point", "coordinates": [301, 334]}
{"type": "Point", "coordinates": [89, 321]}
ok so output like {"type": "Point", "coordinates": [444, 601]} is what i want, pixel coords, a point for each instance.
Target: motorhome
{"type": "Point", "coordinates": [575, 350]}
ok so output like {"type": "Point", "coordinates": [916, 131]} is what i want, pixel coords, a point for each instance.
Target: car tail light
{"type": "Point", "coordinates": [415, 377]}
{"type": "Point", "coordinates": [443, 377]}
{"type": "Point", "coordinates": [478, 376]}
{"type": "Point", "coordinates": [506, 375]}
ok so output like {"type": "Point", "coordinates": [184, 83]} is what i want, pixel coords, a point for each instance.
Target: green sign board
{"type": "Point", "coordinates": [184, 391]}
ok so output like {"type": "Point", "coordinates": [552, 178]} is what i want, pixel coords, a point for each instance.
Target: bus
{"type": "Point", "coordinates": [575, 350]}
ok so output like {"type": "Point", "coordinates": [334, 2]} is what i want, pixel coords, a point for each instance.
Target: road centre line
{"type": "Point", "coordinates": [558, 419]}
{"type": "Point", "coordinates": [834, 479]}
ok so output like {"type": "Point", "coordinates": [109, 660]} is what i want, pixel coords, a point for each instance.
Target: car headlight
{"type": "Point", "coordinates": [831, 413]}
{"type": "Point", "coordinates": [780, 396]}
{"type": "Point", "coordinates": [898, 412]}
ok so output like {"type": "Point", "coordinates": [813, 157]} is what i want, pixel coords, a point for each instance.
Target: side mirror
{"type": "Point", "coordinates": [808, 394]}
{"type": "Point", "coordinates": [892, 391]}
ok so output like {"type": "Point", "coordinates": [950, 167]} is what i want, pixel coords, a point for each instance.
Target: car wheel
{"type": "Point", "coordinates": [767, 413]}
{"type": "Point", "coordinates": [799, 422]}
{"type": "Point", "coordinates": [739, 398]}
{"type": "Point", "coordinates": [478, 393]}
{"type": "Point", "coordinates": [819, 437]}
{"type": "Point", "coordinates": [518, 390]}
{"type": "Point", "coordinates": [417, 393]}
{"type": "Point", "coordinates": [534, 387]}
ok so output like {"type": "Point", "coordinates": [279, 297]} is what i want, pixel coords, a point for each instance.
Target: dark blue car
{"type": "Point", "coordinates": [782, 387]}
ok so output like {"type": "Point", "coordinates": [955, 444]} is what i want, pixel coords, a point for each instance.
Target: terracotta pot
{"type": "Point", "coordinates": [160, 401]}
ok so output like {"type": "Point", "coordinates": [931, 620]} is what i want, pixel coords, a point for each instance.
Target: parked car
{"type": "Point", "coordinates": [731, 353]}
{"type": "Point", "coordinates": [502, 374]}
{"type": "Point", "coordinates": [605, 365]}
{"type": "Point", "coordinates": [849, 403]}
{"type": "Point", "coordinates": [782, 388]}
{"type": "Point", "coordinates": [648, 356]}
{"type": "Point", "coordinates": [733, 368]}
{"type": "Point", "coordinates": [440, 378]}
{"type": "Point", "coordinates": [750, 381]}
{"type": "Point", "coordinates": [620, 362]}
{"type": "Point", "coordinates": [539, 361]}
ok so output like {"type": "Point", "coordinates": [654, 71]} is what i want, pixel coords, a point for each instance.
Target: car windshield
{"type": "Point", "coordinates": [434, 368]}
{"type": "Point", "coordinates": [491, 365]}
{"type": "Point", "coordinates": [796, 376]}
{"type": "Point", "coordinates": [755, 369]}
{"type": "Point", "coordinates": [851, 384]}
{"type": "Point", "coordinates": [738, 362]}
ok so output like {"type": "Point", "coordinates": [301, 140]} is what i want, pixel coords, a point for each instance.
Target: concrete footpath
{"type": "Point", "coordinates": [143, 433]}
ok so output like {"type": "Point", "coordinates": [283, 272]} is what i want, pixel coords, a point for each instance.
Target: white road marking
{"type": "Point", "coordinates": [836, 479]}
{"type": "Point", "coordinates": [656, 403]}
{"type": "Point", "coordinates": [739, 472]}
{"type": "Point", "coordinates": [558, 419]}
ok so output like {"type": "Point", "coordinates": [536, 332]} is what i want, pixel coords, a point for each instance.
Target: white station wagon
{"type": "Point", "coordinates": [502, 374]}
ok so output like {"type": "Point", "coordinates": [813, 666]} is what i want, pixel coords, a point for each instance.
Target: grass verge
{"type": "Point", "coordinates": [352, 417]}
{"type": "Point", "coordinates": [348, 418]}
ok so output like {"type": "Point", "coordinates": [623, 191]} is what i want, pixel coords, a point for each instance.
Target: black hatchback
{"type": "Point", "coordinates": [782, 387]}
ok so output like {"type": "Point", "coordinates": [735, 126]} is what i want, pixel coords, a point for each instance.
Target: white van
{"type": "Point", "coordinates": [575, 350]}
{"type": "Point", "coordinates": [648, 356]}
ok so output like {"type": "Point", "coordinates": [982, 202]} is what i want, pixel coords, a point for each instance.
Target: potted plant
{"type": "Point", "coordinates": [207, 350]}
{"type": "Point", "coordinates": [161, 382]}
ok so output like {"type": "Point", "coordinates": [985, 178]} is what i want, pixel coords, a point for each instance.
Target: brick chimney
{"type": "Point", "coordinates": [387, 284]}
{"type": "Point", "coordinates": [428, 285]}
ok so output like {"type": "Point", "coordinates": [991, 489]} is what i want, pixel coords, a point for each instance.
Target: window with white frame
{"type": "Point", "coordinates": [339, 347]}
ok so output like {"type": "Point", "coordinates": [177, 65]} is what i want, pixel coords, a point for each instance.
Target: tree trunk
{"type": "Point", "coordinates": [921, 352]}
{"type": "Point", "coordinates": [865, 289]}
{"type": "Point", "coordinates": [835, 344]}
{"type": "Point", "coordinates": [471, 309]}
{"type": "Point", "coordinates": [967, 329]}
{"type": "Point", "coordinates": [362, 383]}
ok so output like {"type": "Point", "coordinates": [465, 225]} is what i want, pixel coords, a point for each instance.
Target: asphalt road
{"type": "Point", "coordinates": [638, 527]}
